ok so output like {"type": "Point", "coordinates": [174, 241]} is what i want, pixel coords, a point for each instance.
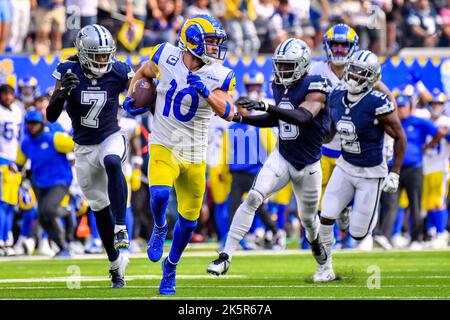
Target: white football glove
{"type": "Point", "coordinates": [390, 183]}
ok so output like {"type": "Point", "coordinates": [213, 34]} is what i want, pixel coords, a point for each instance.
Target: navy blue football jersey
{"type": "Point", "coordinates": [361, 136]}
{"type": "Point", "coordinates": [93, 104]}
{"type": "Point", "coordinates": [301, 145]}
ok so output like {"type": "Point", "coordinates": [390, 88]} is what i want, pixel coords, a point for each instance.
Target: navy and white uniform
{"type": "Point", "coordinates": [297, 157]}
{"type": "Point", "coordinates": [362, 166]}
{"type": "Point", "coordinates": [92, 107]}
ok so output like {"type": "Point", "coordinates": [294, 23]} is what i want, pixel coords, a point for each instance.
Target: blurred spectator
{"type": "Point", "coordinates": [445, 19]}
{"type": "Point", "coordinates": [197, 7]}
{"type": "Point", "coordinates": [302, 10]}
{"type": "Point", "coordinates": [164, 28]}
{"type": "Point", "coordinates": [283, 24]}
{"type": "Point", "coordinates": [424, 25]}
{"type": "Point", "coordinates": [319, 15]}
{"type": "Point", "coordinates": [80, 13]}
{"type": "Point", "coordinates": [411, 176]}
{"type": "Point", "coordinates": [49, 14]}
{"type": "Point", "coordinates": [5, 24]}
{"type": "Point", "coordinates": [264, 10]}
{"type": "Point", "coordinates": [133, 9]}
{"type": "Point", "coordinates": [218, 9]}
{"type": "Point", "coordinates": [20, 25]}
{"type": "Point", "coordinates": [241, 30]}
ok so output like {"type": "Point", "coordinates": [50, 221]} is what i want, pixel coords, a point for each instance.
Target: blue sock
{"type": "Point", "coordinates": [182, 234]}
{"type": "Point", "coordinates": [27, 221]}
{"type": "Point", "coordinates": [281, 216]}
{"type": "Point", "coordinates": [93, 225]}
{"type": "Point", "coordinates": [222, 219]}
{"type": "Point", "coordinates": [398, 225]}
{"type": "Point", "coordinates": [130, 222]}
{"type": "Point", "coordinates": [9, 220]}
{"type": "Point", "coordinates": [3, 213]}
{"type": "Point", "coordinates": [438, 219]}
{"type": "Point", "coordinates": [159, 199]}
{"type": "Point", "coordinates": [117, 188]}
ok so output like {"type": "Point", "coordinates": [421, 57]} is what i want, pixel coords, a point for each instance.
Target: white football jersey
{"type": "Point", "coordinates": [182, 116]}
{"type": "Point", "coordinates": [217, 127]}
{"type": "Point", "coordinates": [11, 122]}
{"type": "Point", "coordinates": [436, 159]}
{"type": "Point", "coordinates": [322, 68]}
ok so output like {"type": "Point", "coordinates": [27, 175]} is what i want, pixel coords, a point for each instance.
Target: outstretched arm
{"type": "Point", "coordinates": [261, 121]}
{"type": "Point", "coordinates": [222, 104]}
{"type": "Point", "coordinates": [307, 110]}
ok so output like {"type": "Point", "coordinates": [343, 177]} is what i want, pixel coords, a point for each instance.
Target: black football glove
{"type": "Point", "coordinates": [249, 104]}
{"type": "Point", "coordinates": [69, 82]}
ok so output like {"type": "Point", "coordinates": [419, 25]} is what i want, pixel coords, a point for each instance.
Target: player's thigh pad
{"type": "Point", "coordinates": [273, 176]}
{"type": "Point", "coordinates": [163, 166]}
{"type": "Point", "coordinates": [190, 189]}
{"type": "Point", "coordinates": [338, 194]}
{"type": "Point", "coordinates": [9, 185]}
{"type": "Point", "coordinates": [365, 206]}
{"type": "Point", "coordinates": [307, 185]}
{"type": "Point", "coordinates": [91, 176]}
{"type": "Point", "coordinates": [115, 144]}
{"type": "Point", "coordinates": [434, 191]}
{"type": "Point", "coordinates": [220, 187]}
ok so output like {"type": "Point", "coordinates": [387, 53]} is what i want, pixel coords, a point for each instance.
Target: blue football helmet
{"type": "Point", "coordinates": [196, 34]}
{"type": "Point", "coordinates": [28, 89]}
{"type": "Point", "coordinates": [339, 43]}
{"type": "Point", "coordinates": [253, 77]}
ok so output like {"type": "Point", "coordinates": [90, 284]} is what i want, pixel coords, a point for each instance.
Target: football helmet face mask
{"type": "Point", "coordinates": [339, 43]}
{"type": "Point", "coordinates": [203, 36]}
{"type": "Point", "coordinates": [28, 89]}
{"type": "Point", "coordinates": [291, 61]}
{"type": "Point", "coordinates": [96, 49]}
{"type": "Point", "coordinates": [362, 71]}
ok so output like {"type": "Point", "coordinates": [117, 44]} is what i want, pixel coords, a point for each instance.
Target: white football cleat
{"type": "Point", "coordinates": [219, 266]}
{"type": "Point", "coordinates": [366, 244]}
{"type": "Point", "coordinates": [415, 246]}
{"type": "Point", "coordinates": [19, 246]}
{"type": "Point", "coordinates": [29, 244]}
{"type": "Point", "coordinates": [324, 273]}
{"type": "Point", "coordinates": [399, 241]}
{"type": "Point", "coordinates": [383, 242]}
{"type": "Point", "coordinates": [45, 249]}
{"type": "Point", "coordinates": [440, 241]}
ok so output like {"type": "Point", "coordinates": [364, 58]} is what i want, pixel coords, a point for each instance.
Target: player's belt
{"type": "Point", "coordinates": [330, 152]}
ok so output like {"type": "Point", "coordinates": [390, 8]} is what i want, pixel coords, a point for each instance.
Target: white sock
{"type": "Point", "coordinates": [119, 227]}
{"type": "Point", "coordinates": [326, 234]}
{"type": "Point", "coordinates": [242, 221]}
{"type": "Point", "coordinates": [312, 229]}
{"type": "Point", "coordinates": [116, 263]}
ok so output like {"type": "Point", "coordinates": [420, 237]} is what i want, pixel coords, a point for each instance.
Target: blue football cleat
{"type": "Point", "coordinates": [63, 254]}
{"type": "Point", "coordinates": [167, 286]}
{"type": "Point", "coordinates": [155, 246]}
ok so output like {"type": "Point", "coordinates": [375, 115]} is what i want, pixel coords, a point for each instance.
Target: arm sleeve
{"type": "Point", "coordinates": [21, 158]}
{"type": "Point", "coordinates": [63, 143]}
{"type": "Point", "coordinates": [264, 120]}
{"type": "Point", "coordinates": [55, 106]}
{"type": "Point", "coordinates": [296, 116]}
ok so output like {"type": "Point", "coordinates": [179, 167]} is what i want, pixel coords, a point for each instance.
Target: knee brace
{"type": "Point", "coordinates": [186, 225]}
{"type": "Point", "coordinates": [254, 199]}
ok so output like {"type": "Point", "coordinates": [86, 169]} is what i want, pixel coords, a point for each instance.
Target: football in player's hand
{"type": "Point", "coordinates": [144, 93]}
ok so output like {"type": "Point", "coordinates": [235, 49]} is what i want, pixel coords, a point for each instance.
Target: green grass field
{"type": "Point", "coordinates": [403, 275]}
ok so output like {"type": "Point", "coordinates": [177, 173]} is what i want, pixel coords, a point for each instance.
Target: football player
{"type": "Point", "coordinates": [303, 120]}
{"type": "Point", "coordinates": [361, 116]}
{"type": "Point", "coordinates": [192, 85]}
{"type": "Point", "coordinates": [339, 43]}
{"type": "Point", "coordinates": [28, 91]}
{"type": "Point", "coordinates": [11, 119]}
{"type": "Point", "coordinates": [89, 85]}
{"type": "Point", "coordinates": [435, 180]}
